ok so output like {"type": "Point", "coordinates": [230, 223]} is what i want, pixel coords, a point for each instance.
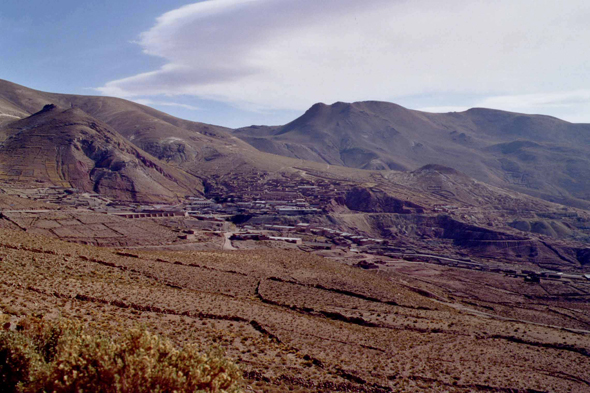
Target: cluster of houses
{"type": "Point", "coordinates": [255, 194]}
{"type": "Point", "coordinates": [262, 236]}
{"type": "Point", "coordinates": [65, 196]}
{"type": "Point", "coordinates": [334, 237]}
{"type": "Point", "coordinates": [259, 193]}
{"type": "Point", "coordinates": [294, 207]}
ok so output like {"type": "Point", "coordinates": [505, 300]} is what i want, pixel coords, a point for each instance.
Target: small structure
{"type": "Point", "coordinates": [303, 227]}
{"type": "Point", "coordinates": [293, 240]}
{"type": "Point", "coordinates": [320, 245]}
{"type": "Point", "coordinates": [249, 236]}
{"type": "Point", "coordinates": [533, 278]}
{"type": "Point", "coordinates": [150, 214]}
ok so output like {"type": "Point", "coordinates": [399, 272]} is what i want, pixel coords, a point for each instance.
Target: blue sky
{"type": "Point", "coordinates": [242, 62]}
{"type": "Point", "coordinates": [67, 46]}
{"type": "Point", "coordinates": [74, 47]}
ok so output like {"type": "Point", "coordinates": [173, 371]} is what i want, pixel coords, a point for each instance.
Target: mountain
{"type": "Point", "coordinates": [176, 141]}
{"type": "Point", "coordinates": [537, 155]}
{"type": "Point", "coordinates": [130, 152]}
{"type": "Point", "coordinates": [69, 148]}
{"type": "Point", "coordinates": [200, 149]}
{"type": "Point", "coordinates": [534, 154]}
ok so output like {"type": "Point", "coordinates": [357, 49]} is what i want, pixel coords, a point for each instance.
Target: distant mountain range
{"type": "Point", "coordinates": [125, 146]}
{"type": "Point", "coordinates": [537, 155]}
{"type": "Point", "coordinates": [196, 150]}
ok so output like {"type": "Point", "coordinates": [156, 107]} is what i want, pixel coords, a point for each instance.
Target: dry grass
{"type": "Point", "coordinates": [293, 321]}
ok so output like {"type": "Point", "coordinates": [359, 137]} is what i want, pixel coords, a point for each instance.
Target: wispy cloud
{"type": "Point", "coordinates": [289, 54]}
{"type": "Point", "coordinates": [574, 104]}
{"type": "Point", "coordinates": [149, 102]}
{"type": "Point", "coordinates": [540, 100]}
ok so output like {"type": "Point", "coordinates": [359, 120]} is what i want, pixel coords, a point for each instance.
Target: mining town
{"type": "Point", "coordinates": [253, 212]}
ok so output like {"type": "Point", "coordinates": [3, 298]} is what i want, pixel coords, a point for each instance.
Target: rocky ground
{"type": "Point", "coordinates": [299, 322]}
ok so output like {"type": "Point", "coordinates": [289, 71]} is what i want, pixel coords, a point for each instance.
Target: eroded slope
{"type": "Point", "coordinates": [69, 148]}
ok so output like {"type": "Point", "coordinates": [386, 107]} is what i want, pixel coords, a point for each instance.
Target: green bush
{"type": "Point", "coordinates": [18, 360]}
{"type": "Point", "coordinates": [61, 357]}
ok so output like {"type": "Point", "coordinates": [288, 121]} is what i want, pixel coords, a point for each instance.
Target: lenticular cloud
{"type": "Point", "coordinates": [288, 54]}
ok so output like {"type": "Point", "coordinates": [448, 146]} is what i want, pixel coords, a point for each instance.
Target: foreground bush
{"type": "Point", "coordinates": [18, 359]}
{"type": "Point", "coordinates": [61, 357]}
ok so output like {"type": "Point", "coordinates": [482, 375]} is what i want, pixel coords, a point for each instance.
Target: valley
{"type": "Point", "coordinates": [431, 272]}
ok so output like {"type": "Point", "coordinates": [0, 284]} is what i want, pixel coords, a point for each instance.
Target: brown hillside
{"type": "Point", "coordinates": [68, 148]}
{"type": "Point", "coordinates": [165, 137]}
{"type": "Point", "coordinates": [538, 155]}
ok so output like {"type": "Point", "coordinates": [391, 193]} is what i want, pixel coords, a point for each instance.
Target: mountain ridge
{"type": "Point", "coordinates": [67, 147]}
{"type": "Point", "coordinates": [535, 154]}
{"type": "Point", "coordinates": [142, 125]}
{"type": "Point", "coordinates": [538, 155]}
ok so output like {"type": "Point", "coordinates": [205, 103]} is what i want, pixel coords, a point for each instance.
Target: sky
{"type": "Point", "coordinates": [241, 62]}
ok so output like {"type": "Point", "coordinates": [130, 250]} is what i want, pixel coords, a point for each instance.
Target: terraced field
{"type": "Point", "coordinates": [294, 321]}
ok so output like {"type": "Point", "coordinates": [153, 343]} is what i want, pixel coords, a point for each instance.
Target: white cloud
{"type": "Point", "coordinates": [289, 54]}
{"type": "Point", "coordinates": [573, 106]}
{"type": "Point", "coordinates": [540, 100]}
{"type": "Point", "coordinates": [149, 102]}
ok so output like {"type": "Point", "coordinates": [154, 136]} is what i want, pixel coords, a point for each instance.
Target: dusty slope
{"type": "Point", "coordinates": [198, 148]}
{"type": "Point", "coordinates": [69, 148]}
{"type": "Point", "coordinates": [301, 323]}
{"type": "Point", "coordinates": [538, 155]}
{"type": "Point", "coordinates": [161, 135]}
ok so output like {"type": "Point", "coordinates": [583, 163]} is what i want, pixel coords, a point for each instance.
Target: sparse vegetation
{"type": "Point", "coordinates": [60, 357]}
{"type": "Point", "coordinates": [292, 319]}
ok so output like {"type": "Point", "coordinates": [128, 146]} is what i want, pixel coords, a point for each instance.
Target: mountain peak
{"type": "Point", "coordinates": [316, 108]}
{"type": "Point", "coordinates": [340, 104]}
{"type": "Point", "coordinates": [47, 108]}
{"type": "Point", "coordinates": [437, 168]}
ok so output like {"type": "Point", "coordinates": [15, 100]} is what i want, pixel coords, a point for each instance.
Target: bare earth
{"type": "Point", "coordinates": [299, 322]}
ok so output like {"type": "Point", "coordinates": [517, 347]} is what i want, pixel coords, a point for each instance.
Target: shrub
{"type": "Point", "coordinates": [18, 359]}
{"type": "Point", "coordinates": [61, 357]}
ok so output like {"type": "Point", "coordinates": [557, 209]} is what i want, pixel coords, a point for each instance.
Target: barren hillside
{"type": "Point", "coordinates": [69, 148]}
{"type": "Point", "coordinates": [538, 155]}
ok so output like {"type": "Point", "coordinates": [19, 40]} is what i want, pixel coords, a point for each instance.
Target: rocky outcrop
{"type": "Point", "coordinates": [69, 148]}
{"type": "Point", "coordinates": [376, 201]}
{"type": "Point", "coordinates": [463, 233]}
